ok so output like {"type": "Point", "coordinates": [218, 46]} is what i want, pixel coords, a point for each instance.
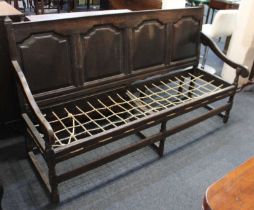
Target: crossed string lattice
{"type": "Point", "coordinates": [92, 118]}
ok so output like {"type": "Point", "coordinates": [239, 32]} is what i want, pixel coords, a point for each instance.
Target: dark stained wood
{"type": "Point", "coordinates": [233, 191]}
{"type": "Point", "coordinates": [70, 61]}
{"type": "Point", "coordinates": [188, 41]}
{"type": "Point", "coordinates": [223, 4]}
{"type": "Point", "coordinates": [31, 102]}
{"type": "Point", "coordinates": [250, 79]}
{"type": "Point", "coordinates": [103, 43]}
{"type": "Point", "coordinates": [140, 125]}
{"type": "Point", "coordinates": [220, 5]}
{"type": "Point", "coordinates": [46, 68]}
{"type": "Point", "coordinates": [9, 108]}
{"type": "Point", "coordinates": [153, 54]}
{"type": "Point", "coordinates": [206, 41]}
{"type": "Point", "coordinates": [133, 4]}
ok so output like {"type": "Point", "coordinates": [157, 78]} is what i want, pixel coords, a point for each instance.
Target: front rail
{"type": "Point", "coordinates": [133, 147]}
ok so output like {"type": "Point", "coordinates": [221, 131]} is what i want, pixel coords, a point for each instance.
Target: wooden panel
{"type": "Point", "coordinates": [149, 45]}
{"type": "Point", "coordinates": [103, 52]}
{"type": "Point", "coordinates": [104, 49]}
{"type": "Point", "coordinates": [46, 62]}
{"type": "Point", "coordinates": [185, 39]}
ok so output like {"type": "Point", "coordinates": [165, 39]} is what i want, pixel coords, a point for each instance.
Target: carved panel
{"type": "Point", "coordinates": [185, 38]}
{"type": "Point", "coordinates": [46, 62]}
{"type": "Point", "coordinates": [149, 43]}
{"type": "Point", "coordinates": [103, 52]}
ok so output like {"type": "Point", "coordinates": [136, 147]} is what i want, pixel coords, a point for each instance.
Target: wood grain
{"type": "Point", "coordinates": [234, 191]}
{"type": "Point", "coordinates": [222, 4]}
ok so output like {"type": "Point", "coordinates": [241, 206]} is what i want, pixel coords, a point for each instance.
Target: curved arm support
{"type": "Point", "coordinates": [210, 43]}
{"type": "Point", "coordinates": [32, 103]}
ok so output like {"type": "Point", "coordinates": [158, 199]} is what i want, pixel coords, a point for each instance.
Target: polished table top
{"type": "Point", "coordinates": [235, 191]}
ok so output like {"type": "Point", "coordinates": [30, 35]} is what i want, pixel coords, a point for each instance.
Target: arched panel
{"type": "Point", "coordinates": [185, 38]}
{"type": "Point", "coordinates": [149, 46]}
{"type": "Point", "coordinates": [46, 62]}
{"type": "Point", "coordinates": [103, 52]}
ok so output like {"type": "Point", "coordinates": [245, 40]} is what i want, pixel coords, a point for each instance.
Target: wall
{"type": "Point", "coordinates": [241, 48]}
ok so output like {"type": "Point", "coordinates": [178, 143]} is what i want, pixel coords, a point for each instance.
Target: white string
{"type": "Point", "coordinates": [126, 107]}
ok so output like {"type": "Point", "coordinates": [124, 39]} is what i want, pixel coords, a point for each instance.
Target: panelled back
{"type": "Point", "coordinates": [103, 52]}
{"type": "Point", "coordinates": [149, 48]}
{"type": "Point", "coordinates": [69, 56]}
{"type": "Point", "coordinates": [46, 61]}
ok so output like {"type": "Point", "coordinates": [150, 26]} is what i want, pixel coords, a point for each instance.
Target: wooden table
{"type": "Point", "coordinates": [235, 191]}
{"type": "Point", "coordinates": [8, 10]}
{"type": "Point", "coordinates": [221, 5]}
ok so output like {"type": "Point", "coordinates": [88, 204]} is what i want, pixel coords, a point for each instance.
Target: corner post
{"type": "Point", "coordinates": [231, 98]}
{"type": "Point", "coordinates": [162, 141]}
{"type": "Point", "coordinates": [50, 158]}
{"type": "Point", "coordinates": [54, 194]}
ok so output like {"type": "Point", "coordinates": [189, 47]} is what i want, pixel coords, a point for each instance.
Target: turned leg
{"type": "Point", "coordinates": [158, 148]}
{"type": "Point", "coordinates": [28, 142]}
{"type": "Point", "coordinates": [231, 98]}
{"type": "Point", "coordinates": [53, 184]}
{"type": "Point", "coordinates": [162, 142]}
{"type": "Point", "coordinates": [227, 113]}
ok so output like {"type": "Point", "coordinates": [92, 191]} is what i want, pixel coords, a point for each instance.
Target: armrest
{"type": "Point", "coordinates": [210, 43]}
{"type": "Point", "coordinates": [31, 102]}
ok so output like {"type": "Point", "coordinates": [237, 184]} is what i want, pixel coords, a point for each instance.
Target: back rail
{"type": "Point", "coordinates": [64, 58]}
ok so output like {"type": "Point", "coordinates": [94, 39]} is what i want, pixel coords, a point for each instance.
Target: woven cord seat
{"type": "Point", "coordinates": [74, 122]}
